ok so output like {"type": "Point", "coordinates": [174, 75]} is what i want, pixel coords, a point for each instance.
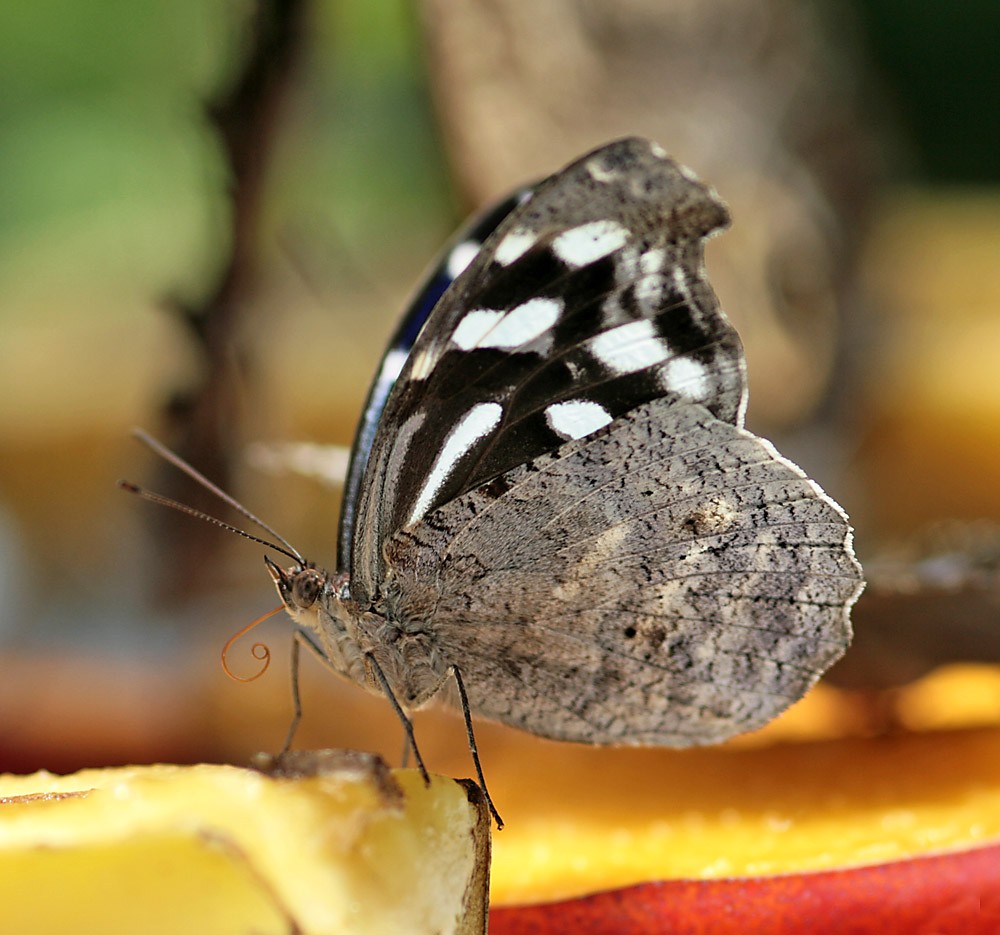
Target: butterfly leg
{"type": "Point", "coordinates": [411, 740]}
{"type": "Point", "coordinates": [297, 640]}
{"type": "Point", "coordinates": [473, 748]}
{"type": "Point", "coordinates": [296, 697]}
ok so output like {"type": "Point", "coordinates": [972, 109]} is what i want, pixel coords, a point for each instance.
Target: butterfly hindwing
{"type": "Point", "coordinates": [588, 300]}
{"type": "Point", "coordinates": [669, 580]}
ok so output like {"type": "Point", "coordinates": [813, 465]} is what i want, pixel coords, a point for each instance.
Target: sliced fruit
{"type": "Point", "coordinates": [327, 842]}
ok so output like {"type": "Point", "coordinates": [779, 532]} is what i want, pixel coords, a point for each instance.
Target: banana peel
{"type": "Point", "coordinates": [315, 842]}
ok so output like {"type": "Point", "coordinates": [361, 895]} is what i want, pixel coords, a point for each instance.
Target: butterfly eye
{"type": "Point", "coordinates": [306, 588]}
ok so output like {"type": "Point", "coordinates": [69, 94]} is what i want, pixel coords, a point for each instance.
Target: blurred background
{"type": "Point", "coordinates": [212, 213]}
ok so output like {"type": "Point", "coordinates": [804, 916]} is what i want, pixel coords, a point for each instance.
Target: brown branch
{"type": "Point", "coordinates": [205, 418]}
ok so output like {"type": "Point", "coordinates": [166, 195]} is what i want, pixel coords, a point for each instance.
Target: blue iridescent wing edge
{"type": "Point", "coordinates": [451, 261]}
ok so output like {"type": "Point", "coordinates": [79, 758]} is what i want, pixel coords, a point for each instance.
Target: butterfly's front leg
{"type": "Point", "coordinates": [378, 677]}
{"type": "Point", "coordinates": [417, 693]}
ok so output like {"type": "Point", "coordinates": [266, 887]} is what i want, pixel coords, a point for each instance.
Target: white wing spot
{"type": "Point", "coordinates": [688, 174]}
{"type": "Point", "coordinates": [462, 254]}
{"type": "Point", "coordinates": [581, 245]}
{"type": "Point", "coordinates": [423, 363]}
{"type": "Point", "coordinates": [630, 347]}
{"type": "Point", "coordinates": [687, 378]}
{"type": "Point", "coordinates": [599, 171]}
{"type": "Point", "coordinates": [652, 261]}
{"type": "Point", "coordinates": [393, 364]}
{"type": "Point", "coordinates": [514, 246]}
{"type": "Point", "coordinates": [474, 326]}
{"type": "Point", "coordinates": [627, 265]}
{"type": "Point", "coordinates": [681, 284]}
{"type": "Point", "coordinates": [576, 418]}
{"type": "Point", "coordinates": [476, 424]}
{"type": "Point", "coordinates": [524, 323]}
{"type": "Point", "coordinates": [649, 293]}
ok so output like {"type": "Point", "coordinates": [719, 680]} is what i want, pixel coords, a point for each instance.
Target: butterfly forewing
{"type": "Point", "coordinates": [459, 252]}
{"type": "Point", "coordinates": [586, 302]}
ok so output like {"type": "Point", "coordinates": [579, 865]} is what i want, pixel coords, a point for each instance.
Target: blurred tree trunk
{"type": "Point", "coordinates": [762, 100]}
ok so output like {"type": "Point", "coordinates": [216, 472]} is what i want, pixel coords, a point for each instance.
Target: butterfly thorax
{"type": "Point", "coordinates": [348, 634]}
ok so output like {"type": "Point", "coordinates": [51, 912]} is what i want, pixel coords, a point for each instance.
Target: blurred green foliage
{"type": "Point", "coordinates": [104, 167]}
{"type": "Point", "coordinates": [109, 173]}
{"type": "Point", "coordinates": [111, 178]}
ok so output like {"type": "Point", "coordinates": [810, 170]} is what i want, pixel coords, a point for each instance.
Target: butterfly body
{"type": "Point", "coordinates": [349, 638]}
{"type": "Point", "coordinates": [553, 494]}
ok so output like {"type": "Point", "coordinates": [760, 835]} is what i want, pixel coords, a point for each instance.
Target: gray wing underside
{"type": "Point", "coordinates": [670, 581]}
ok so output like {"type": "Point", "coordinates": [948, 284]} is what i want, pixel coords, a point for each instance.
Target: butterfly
{"type": "Point", "coordinates": [552, 502]}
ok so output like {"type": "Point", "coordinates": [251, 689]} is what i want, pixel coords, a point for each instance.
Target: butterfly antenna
{"type": "Point", "coordinates": [286, 548]}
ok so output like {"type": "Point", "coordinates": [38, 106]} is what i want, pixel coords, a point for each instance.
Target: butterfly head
{"type": "Point", "coordinates": [299, 587]}
{"type": "Point", "coordinates": [314, 598]}
{"type": "Point", "coordinates": [320, 605]}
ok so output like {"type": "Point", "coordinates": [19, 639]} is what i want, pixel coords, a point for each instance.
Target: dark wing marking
{"type": "Point", "coordinates": [443, 272]}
